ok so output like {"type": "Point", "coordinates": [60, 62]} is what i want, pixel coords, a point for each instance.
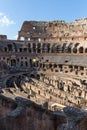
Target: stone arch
{"type": "Point", "coordinates": [48, 47]}
{"type": "Point", "coordinates": [29, 47]}
{"type": "Point", "coordinates": [15, 47]}
{"type": "Point", "coordinates": [69, 48]}
{"type": "Point", "coordinates": [10, 81]}
{"type": "Point", "coordinates": [38, 47]}
{"type": "Point", "coordinates": [75, 47]}
{"type": "Point", "coordinates": [20, 49]}
{"type": "Point", "coordinates": [43, 47]}
{"type": "Point", "coordinates": [9, 47]}
{"type": "Point", "coordinates": [50, 65]}
{"type": "Point", "coordinates": [76, 44]}
{"type": "Point", "coordinates": [13, 62]}
{"type": "Point", "coordinates": [39, 39]}
{"type": "Point", "coordinates": [53, 48]}
{"type": "Point", "coordinates": [85, 50]}
{"type": "Point", "coordinates": [25, 49]}
{"type": "Point", "coordinates": [29, 39]}
{"type": "Point", "coordinates": [55, 65]}
{"type": "Point", "coordinates": [5, 49]}
{"type": "Point", "coordinates": [81, 49]}
{"type": "Point", "coordinates": [22, 38]}
{"type": "Point", "coordinates": [64, 47]}
{"type": "Point", "coordinates": [34, 47]}
{"type": "Point", "coordinates": [74, 50]}
{"type": "Point", "coordinates": [58, 48]}
{"type": "Point", "coordinates": [30, 61]}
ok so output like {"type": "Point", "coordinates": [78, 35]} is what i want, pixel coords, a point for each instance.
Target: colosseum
{"type": "Point", "coordinates": [43, 77]}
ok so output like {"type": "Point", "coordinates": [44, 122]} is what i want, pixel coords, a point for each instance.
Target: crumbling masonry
{"type": "Point", "coordinates": [46, 64]}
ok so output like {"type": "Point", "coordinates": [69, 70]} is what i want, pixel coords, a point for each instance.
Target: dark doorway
{"type": "Point", "coordinates": [13, 62]}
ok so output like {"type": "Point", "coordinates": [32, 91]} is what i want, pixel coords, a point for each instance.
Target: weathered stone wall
{"type": "Point", "coordinates": [54, 31]}
{"type": "Point", "coordinates": [3, 37]}
{"type": "Point", "coordinates": [22, 114]}
{"type": "Point", "coordinates": [26, 116]}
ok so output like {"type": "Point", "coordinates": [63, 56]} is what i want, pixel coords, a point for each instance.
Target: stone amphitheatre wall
{"type": "Point", "coordinates": [57, 52]}
{"type": "Point", "coordinates": [54, 31]}
{"type": "Point", "coordinates": [22, 114]}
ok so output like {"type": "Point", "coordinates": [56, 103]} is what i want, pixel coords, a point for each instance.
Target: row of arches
{"type": "Point", "coordinates": [20, 62]}
{"type": "Point", "coordinates": [56, 48]}
{"type": "Point", "coordinates": [46, 48]}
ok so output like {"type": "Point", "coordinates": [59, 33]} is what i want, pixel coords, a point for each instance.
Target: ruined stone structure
{"type": "Point", "coordinates": [47, 64]}
{"type": "Point", "coordinates": [54, 31]}
{"type": "Point", "coordinates": [23, 114]}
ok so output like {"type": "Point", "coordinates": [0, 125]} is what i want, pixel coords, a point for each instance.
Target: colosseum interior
{"type": "Point", "coordinates": [43, 77]}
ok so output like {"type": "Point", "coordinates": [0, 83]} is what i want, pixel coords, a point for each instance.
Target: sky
{"type": "Point", "coordinates": [14, 12]}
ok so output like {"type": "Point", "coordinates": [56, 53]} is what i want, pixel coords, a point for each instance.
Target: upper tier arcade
{"type": "Point", "coordinates": [54, 31]}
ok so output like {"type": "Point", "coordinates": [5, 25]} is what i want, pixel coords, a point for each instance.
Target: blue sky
{"type": "Point", "coordinates": [14, 12]}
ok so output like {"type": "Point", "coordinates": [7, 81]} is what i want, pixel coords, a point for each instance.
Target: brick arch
{"type": "Point", "coordinates": [74, 50]}
{"type": "Point", "coordinates": [64, 47]}
{"type": "Point", "coordinates": [34, 47]}
{"type": "Point", "coordinates": [58, 48]}
{"type": "Point", "coordinates": [38, 47]}
{"type": "Point", "coordinates": [22, 38]}
{"type": "Point", "coordinates": [85, 50]}
{"type": "Point", "coordinates": [81, 49]}
{"type": "Point", "coordinates": [69, 48]}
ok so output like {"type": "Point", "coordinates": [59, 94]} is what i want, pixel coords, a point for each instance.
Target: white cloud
{"type": "Point", "coordinates": [5, 21]}
{"type": "Point", "coordinates": [1, 13]}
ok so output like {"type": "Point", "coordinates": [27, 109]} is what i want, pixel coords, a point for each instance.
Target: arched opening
{"type": "Point", "coordinates": [48, 48]}
{"type": "Point", "coordinates": [9, 47]}
{"type": "Point", "coordinates": [15, 47]}
{"type": "Point", "coordinates": [74, 50]}
{"type": "Point", "coordinates": [20, 49]}
{"type": "Point", "coordinates": [53, 48]}
{"type": "Point", "coordinates": [29, 39]}
{"type": "Point", "coordinates": [13, 62]}
{"type": "Point", "coordinates": [5, 49]}
{"type": "Point", "coordinates": [8, 61]}
{"type": "Point", "coordinates": [39, 92]}
{"type": "Point", "coordinates": [81, 50]}
{"type": "Point", "coordinates": [81, 68]}
{"type": "Point", "coordinates": [25, 49]}
{"type": "Point", "coordinates": [61, 67]}
{"type": "Point", "coordinates": [39, 39]}
{"type": "Point", "coordinates": [58, 48]}
{"type": "Point", "coordinates": [22, 38]}
{"type": "Point", "coordinates": [26, 63]}
{"type": "Point", "coordinates": [50, 65]}
{"type": "Point", "coordinates": [64, 48]}
{"type": "Point", "coordinates": [29, 47]}
{"type": "Point", "coordinates": [55, 65]}
{"type": "Point", "coordinates": [77, 44]}
{"type": "Point", "coordinates": [30, 62]}
{"type": "Point", "coordinates": [39, 48]}
{"type": "Point", "coordinates": [69, 49]}
{"type": "Point", "coordinates": [86, 50]}
{"type": "Point", "coordinates": [43, 48]}
{"type": "Point", "coordinates": [34, 47]}
{"type": "Point", "coordinates": [68, 88]}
